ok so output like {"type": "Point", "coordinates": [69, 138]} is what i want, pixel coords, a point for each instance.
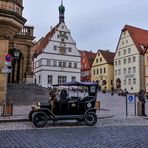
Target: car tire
{"type": "Point", "coordinates": [39, 119]}
{"type": "Point", "coordinates": [30, 115]}
{"type": "Point", "coordinates": [90, 118]}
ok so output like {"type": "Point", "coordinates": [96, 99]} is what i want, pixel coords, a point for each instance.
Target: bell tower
{"type": "Point", "coordinates": [11, 22]}
{"type": "Point", "coordinates": [61, 12]}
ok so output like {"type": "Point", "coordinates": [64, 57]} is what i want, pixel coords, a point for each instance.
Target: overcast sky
{"type": "Point", "coordinates": [94, 24]}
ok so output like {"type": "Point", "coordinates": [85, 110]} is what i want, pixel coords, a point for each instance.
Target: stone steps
{"type": "Point", "coordinates": [26, 94]}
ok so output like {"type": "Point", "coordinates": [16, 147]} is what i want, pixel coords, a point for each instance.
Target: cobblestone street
{"type": "Point", "coordinates": [113, 129]}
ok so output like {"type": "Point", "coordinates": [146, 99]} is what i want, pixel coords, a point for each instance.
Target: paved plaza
{"type": "Point", "coordinates": [113, 130]}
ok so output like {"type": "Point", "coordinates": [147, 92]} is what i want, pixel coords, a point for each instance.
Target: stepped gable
{"type": "Point", "coordinates": [108, 56]}
{"type": "Point", "coordinates": [42, 43]}
{"type": "Point", "coordinates": [139, 36]}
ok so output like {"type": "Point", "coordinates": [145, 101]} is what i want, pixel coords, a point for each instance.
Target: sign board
{"type": "Point", "coordinates": [8, 58]}
{"type": "Point", "coordinates": [130, 98]}
{"type": "Point", "coordinates": [6, 70]}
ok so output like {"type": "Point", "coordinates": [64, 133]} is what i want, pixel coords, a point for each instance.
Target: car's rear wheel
{"type": "Point", "coordinates": [30, 115]}
{"type": "Point", "coordinates": [90, 118]}
{"type": "Point", "coordinates": [39, 119]}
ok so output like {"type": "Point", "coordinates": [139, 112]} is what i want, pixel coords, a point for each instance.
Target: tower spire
{"type": "Point", "coordinates": [61, 12]}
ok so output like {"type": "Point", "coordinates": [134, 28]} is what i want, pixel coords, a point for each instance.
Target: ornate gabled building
{"type": "Point", "coordinates": [87, 58]}
{"type": "Point", "coordinates": [57, 58]}
{"type": "Point", "coordinates": [102, 69]}
{"type": "Point", "coordinates": [129, 69]}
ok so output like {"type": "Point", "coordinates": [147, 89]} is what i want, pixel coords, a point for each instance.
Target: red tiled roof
{"type": "Point", "coordinates": [139, 36]}
{"type": "Point", "coordinates": [108, 56]}
{"type": "Point", "coordinates": [44, 40]}
{"type": "Point", "coordinates": [89, 55]}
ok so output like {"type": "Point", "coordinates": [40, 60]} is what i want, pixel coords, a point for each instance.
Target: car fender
{"type": "Point", "coordinates": [89, 110]}
{"type": "Point", "coordinates": [47, 111]}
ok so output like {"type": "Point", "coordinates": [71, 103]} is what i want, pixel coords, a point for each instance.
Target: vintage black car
{"type": "Point", "coordinates": [68, 101]}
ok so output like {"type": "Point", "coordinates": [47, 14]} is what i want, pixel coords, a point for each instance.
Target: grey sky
{"type": "Point", "coordinates": [94, 24]}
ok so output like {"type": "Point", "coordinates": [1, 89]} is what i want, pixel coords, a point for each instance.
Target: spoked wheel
{"type": "Point", "coordinates": [39, 119]}
{"type": "Point", "coordinates": [90, 118]}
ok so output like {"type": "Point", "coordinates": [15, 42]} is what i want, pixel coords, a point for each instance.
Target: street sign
{"type": "Point", "coordinates": [8, 58]}
{"type": "Point", "coordinates": [6, 70]}
{"type": "Point", "coordinates": [130, 98]}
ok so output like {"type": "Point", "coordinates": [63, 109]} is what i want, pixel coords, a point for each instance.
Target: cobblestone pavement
{"type": "Point", "coordinates": [84, 137]}
{"type": "Point", "coordinates": [118, 131]}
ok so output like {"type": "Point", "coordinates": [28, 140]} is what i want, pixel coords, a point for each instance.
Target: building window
{"type": "Point", "coordinates": [129, 50]}
{"type": "Point", "coordinates": [49, 79]}
{"type": "Point", "coordinates": [104, 70]}
{"type": "Point", "coordinates": [119, 71]}
{"type": "Point", "coordinates": [62, 79]}
{"type": "Point", "coordinates": [40, 63]}
{"type": "Point", "coordinates": [66, 37]}
{"type": "Point", "coordinates": [39, 79]}
{"type": "Point", "coordinates": [129, 81]}
{"type": "Point", "coordinates": [58, 36]}
{"type": "Point", "coordinates": [134, 59]}
{"type": "Point", "coordinates": [129, 60]}
{"type": "Point", "coordinates": [119, 62]}
{"type": "Point", "coordinates": [55, 47]}
{"type": "Point", "coordinates": [96, 60]}
{"type": "Point", "coordinates": [115, 62]}
{"type": "Point", "coordinates": [69, 64]}
{"type": "Point", "coordinates": [124, 70]}
{"type": "Point", "coordinates": [94, 71]}
{"type": "Point", "coordinates": [75, 65]}
{"type": "Point", "coordinates": [129, 70]}
{"type": "Point", "coordinates": [97, 71]}
{"type": "Point", "coordinates": [124, 61]}
{"type": "Point", "coordinates": [118, 53]}
{"type": "Point", "coordinates": [124, 51]}
{"type": "Point", "coordinates": [73, 78]}
{"type": "Point", "coordinates": [100, 70]}
{"type": "Point", "coordinates": [49, 62]}
{"type": "Point", "coordinates": [124, 33]}
{"type": "Point", "coordinates": [122, 42]}
{"type": "Point", "coordinates": [134, 69]}
{"type": "Point", "coordinates": [70, 49]}
{"type": "Point", "coordinates": [125, 82]}
{"type": "Point", "coordinates": [60, 64]}
{"type": "Point", "coordinates": [62, 27]}
{"type": "Point", "coordinates": [134, 80]}
{"type": "Point", "coordinates": [115, 72]}
{"type": "Point", "coordinates": [54, 63]}
{"type": "Point", "coordinates": [100, 59]}
{"type": "Point", "coordinates": [64, 64]}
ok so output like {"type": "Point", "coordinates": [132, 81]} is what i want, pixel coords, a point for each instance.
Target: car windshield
{"type": "Point", "coordinates": [76, 89]}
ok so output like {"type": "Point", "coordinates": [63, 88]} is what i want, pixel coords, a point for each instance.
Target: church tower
{"type": "Point", "coordinates": [61, 12]}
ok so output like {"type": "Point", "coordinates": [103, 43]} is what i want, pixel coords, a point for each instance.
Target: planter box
{"type": "Point", "coordinates": [7, 110]}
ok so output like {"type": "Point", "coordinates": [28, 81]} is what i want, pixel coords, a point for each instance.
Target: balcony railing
{"type": "Point", "coordinates": [27, 31]}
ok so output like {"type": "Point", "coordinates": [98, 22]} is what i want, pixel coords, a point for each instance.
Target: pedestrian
{"type": "Point", "coordinates": [112, 90]}
{"type": "Point", "coordinates": [141, 98]}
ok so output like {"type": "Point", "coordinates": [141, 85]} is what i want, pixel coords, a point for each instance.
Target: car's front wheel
{"type": "Point", "coordinates": [90, 118]}
{"type": "Point", "coordinates": [39, 119]}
